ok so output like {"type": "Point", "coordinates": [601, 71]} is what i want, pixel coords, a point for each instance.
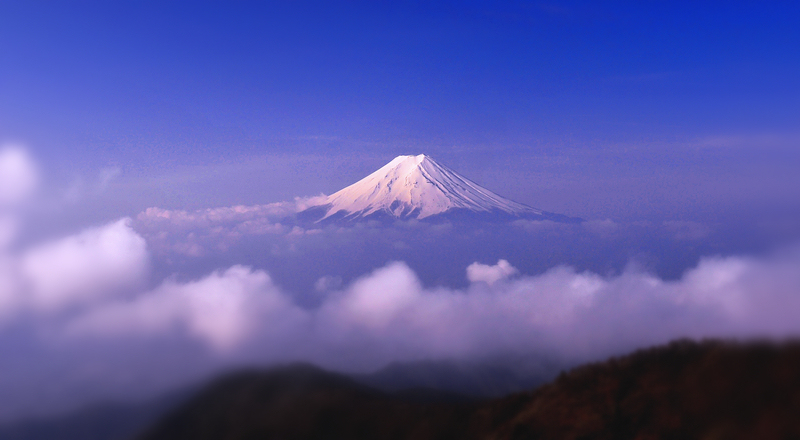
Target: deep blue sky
{"type": "Point", "coordinates": [583, 91]}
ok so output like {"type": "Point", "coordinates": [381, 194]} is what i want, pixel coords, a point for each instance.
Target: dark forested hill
{"type": "Point", "coordinates": [684, 390]}
{"type": "Point", "coordinates": [303, 401]}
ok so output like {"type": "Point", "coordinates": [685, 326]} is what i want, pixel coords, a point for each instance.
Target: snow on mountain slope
{"type": "Point", "coordinates": [417, 187]}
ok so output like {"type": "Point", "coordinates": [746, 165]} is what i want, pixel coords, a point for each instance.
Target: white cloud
{"type": "Point", "coordinates": [84, 267]}
{"type": "Point", "coordinates": [302, 203]}
{"type": "Point", "coordinates": [196, 233]}
{"type": "Point", "coordinates": [477, 272]}
{"type": "Point", "coordinates": [222, 309]}
{"type": "Point", "coordinates": [19, 179]}
{"type": "Point", "coordinates": [374, 301]}
{"type": "Point", "coordinates": [214, 216]}
{"type": "Point", "coordinates": [19, 175]}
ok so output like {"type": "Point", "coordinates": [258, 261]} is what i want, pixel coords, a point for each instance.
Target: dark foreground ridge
{"type": "Point", "coordinates": [703, 390]}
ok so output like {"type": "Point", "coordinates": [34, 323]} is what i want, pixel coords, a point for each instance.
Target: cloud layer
{"type": "Point", "coordinates": [389, 315]}
{"type": "Point", "coordinates": [197, 233]}
{"type": "Point", "coordinates": [90, 305]}
{"type": "Point", "coordinates": [90, 287]}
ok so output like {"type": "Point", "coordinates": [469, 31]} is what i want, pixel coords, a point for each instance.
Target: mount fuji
{"type": "Point", "coordinates": [418, 187]}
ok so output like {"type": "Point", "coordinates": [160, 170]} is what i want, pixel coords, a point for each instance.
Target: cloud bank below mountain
{"type": "Point", "coordinates": [94, 310]}
{"type": "Point", "coordinates": [389, 315]}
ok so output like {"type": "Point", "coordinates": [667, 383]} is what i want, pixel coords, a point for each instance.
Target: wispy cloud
{"type": "Point", "coordinates": [19, 175]}
{"type": "Point", "coordinates": [195, 233]}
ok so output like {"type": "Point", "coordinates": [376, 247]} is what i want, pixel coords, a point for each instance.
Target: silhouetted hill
{"type": "Point", "coordinates": [683, 390]}
{"type": "Point", "coordinates": [302, 401]}
{"type": "Point", "coordinates": [489, 378]}
{"type": "Point", "coordinates": [709, 390]}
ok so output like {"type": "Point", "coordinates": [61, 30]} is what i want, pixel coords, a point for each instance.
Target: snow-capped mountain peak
{"type": "Point", "coordinates": [417, 187]}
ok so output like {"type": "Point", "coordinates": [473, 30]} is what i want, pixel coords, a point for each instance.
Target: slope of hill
{"type": "Point", "coordinates": [684, 390]}
{"type": "Point", "coordinates": [485, 379]}
{"type": "Point", "coordinates": [302, 401]}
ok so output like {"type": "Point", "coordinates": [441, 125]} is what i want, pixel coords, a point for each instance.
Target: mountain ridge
{"type": "Point", "coordinates": [708, 389]}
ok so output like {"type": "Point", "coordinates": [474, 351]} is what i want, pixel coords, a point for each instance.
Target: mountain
{"type": "Point", "coordinates": [302, 401]}
{"type": "Point", "coordinates": [418, 187]}
{"type": "Point", "coordinates": [683, 390]}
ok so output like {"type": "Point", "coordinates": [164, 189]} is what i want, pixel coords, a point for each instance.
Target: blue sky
{"type": "Point", "coordinates": [143, 84]}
